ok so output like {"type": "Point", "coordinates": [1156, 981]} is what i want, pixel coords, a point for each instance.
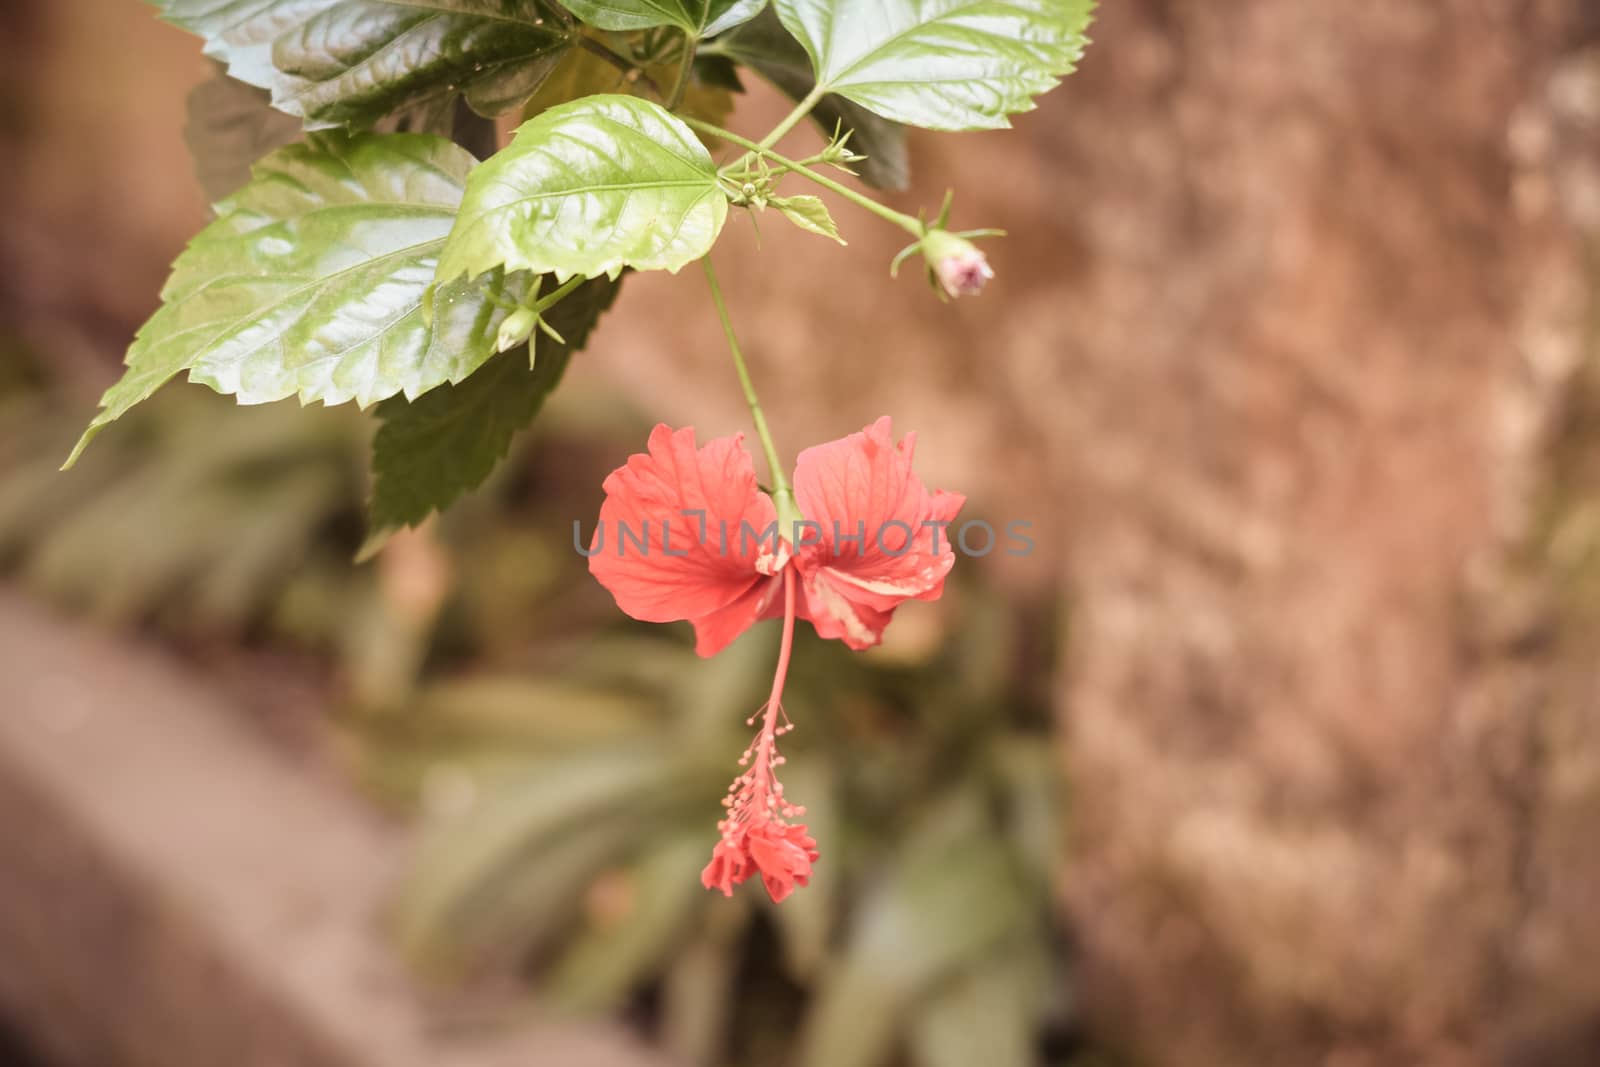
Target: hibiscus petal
{"type": "Point", "coordinates": [882, 533]}
{"type": "Point", "coordinates": [728, 867]}
{"type": "Point", "coordinates": [717, 630]}
{"type": "Point", "coordinates": [784, 855]}
{"type": "Point", "coordinates": [672, 542]}
{"type": "Point", "coordinates": [836, 614]}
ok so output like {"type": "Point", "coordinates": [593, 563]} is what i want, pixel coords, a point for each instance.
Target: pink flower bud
{"type": "Point", "coordinates": [959, 267]}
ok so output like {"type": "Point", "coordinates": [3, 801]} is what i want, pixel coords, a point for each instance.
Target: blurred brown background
{"type": "Point", "coordinates": [1290, 360]}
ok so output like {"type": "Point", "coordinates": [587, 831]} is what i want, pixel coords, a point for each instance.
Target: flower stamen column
{"type": "Point", "coordinates": [756, 832]}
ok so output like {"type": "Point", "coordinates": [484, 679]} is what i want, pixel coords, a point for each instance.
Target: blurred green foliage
{"type": "Point", "coordinates": [207, 518]}
{"type": "Point", "coordinates": [571, 818]}
{"type": "Point", "coordinates": [569, 763]}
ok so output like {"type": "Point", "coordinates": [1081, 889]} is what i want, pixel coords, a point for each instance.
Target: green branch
{"type": "Point", "coordinates": [801, 110]}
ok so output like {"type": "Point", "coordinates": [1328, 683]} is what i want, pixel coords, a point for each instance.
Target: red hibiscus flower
{"type": "Point", "coordinates": [685, 533]}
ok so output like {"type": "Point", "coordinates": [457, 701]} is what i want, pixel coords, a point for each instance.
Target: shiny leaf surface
{"type": "Point", "coordinates": [311, 281]}
{"type": "Point", "coordinates": [698, 18]}
{"type": "Point", "coordinates": [764, 46]}
{"type": "Point", "coordinates": [353, 62]}
{"type": "Point", "coordinates": [432, 449]}
{"type": "Point", "coordinates": [589, 188]}
{"type": "Point", "coordinates": [940, 64]}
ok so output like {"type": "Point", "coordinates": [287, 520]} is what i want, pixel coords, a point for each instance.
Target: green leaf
{"type": "Point", "coordinates": [940, 64]}
{"type": "Point", "coordinates": [506, 868]}
{"type": "Point", "coordinates": [986, 1015]}
{"type": "Point", "coordinates": [604, 964]}
{"type": "Point", "coordinates": [701, 987]}
{"type": "Point", "coordinates": [353, 62]}
{"type": "Point", "coordinates": [950, 896]}
{"type": "Point", "coordinates": [809, 213]}
{"type": "Point", "coordinates": [231, 125]}
{"type": "Point", "coordinates": [582, 73]}
{"type": "Point", "coordinates": [432, 449]}
{"type": "Point", "coordinates": [767, 48]}
{"type": "Point", "coordinates": [513, 710]}
{"type": "Point", "coordinates": [589, 188]}
{"type": "Point", "coordinates": [697, 18]}
{"type": "Point", "coordinates": [311, 280]}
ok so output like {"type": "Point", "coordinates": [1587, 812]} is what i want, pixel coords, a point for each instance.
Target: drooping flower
{"type": "Point", "coordinates": [685, 533]}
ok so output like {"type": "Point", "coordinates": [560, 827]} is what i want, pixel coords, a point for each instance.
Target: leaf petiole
{"type": "Point", "coordinates": [685, 69]}
{"type": "Point", "coordinates": [792, 119]}
{"type": "Point", "coordinates": [545, 303]}
{"type": "Point", "coordinates": [914, 227]}
{"type": "Point", "coordinates": [778, 132]}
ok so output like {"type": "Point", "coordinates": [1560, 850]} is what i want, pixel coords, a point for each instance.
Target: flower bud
{"type": "Point", "coordinates": [515, 329]}
{"type": "Point", "coordinates": [960, 268]}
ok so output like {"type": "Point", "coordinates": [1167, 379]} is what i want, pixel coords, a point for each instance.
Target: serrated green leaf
{"type": "Point", "coordinates": [354, 62]}
{"type": "Point", "coordinates": [589, 188]}
{"type": "Point", "coordinates": [764, 46]}
{"type": "Point", "coordinates": [230, 126]}
{"type": "Point", "coordinates": [310, 282]}
{"type": "Point", "coordinates": [809, 213]}
{"type": "Point", "coordinates": [940, 64]}
{"type": "Point", "coordinates": [430, 450]}
{"type": "Point", "coordinates": [697, 18]}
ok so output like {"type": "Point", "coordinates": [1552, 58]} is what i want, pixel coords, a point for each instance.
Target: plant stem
{"type": "Point", "coordinates": [555, 295]}
{"type": "Point", "coordinates": [781, 493]}
{"type": "Point", "coordinates": [778, 132]}
{"type": "Point", "coordinates": [912, 226]}
{"type": "Point", "coordinates": [681, 85]}
{"type": "Point", "coordinates": [776, 170]}
{"type": "Point", "coordinates": [801, 110]}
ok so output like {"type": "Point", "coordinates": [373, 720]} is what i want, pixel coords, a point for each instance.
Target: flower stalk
{"type": "Point", "coordinates": [782, 495]}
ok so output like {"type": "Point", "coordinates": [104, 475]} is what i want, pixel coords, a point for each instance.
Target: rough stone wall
{"type": "Point", "coordinates": [1337, 303]}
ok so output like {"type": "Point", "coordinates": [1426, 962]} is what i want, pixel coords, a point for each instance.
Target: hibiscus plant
{"type": "Point", "coordinates": [361, 251]}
